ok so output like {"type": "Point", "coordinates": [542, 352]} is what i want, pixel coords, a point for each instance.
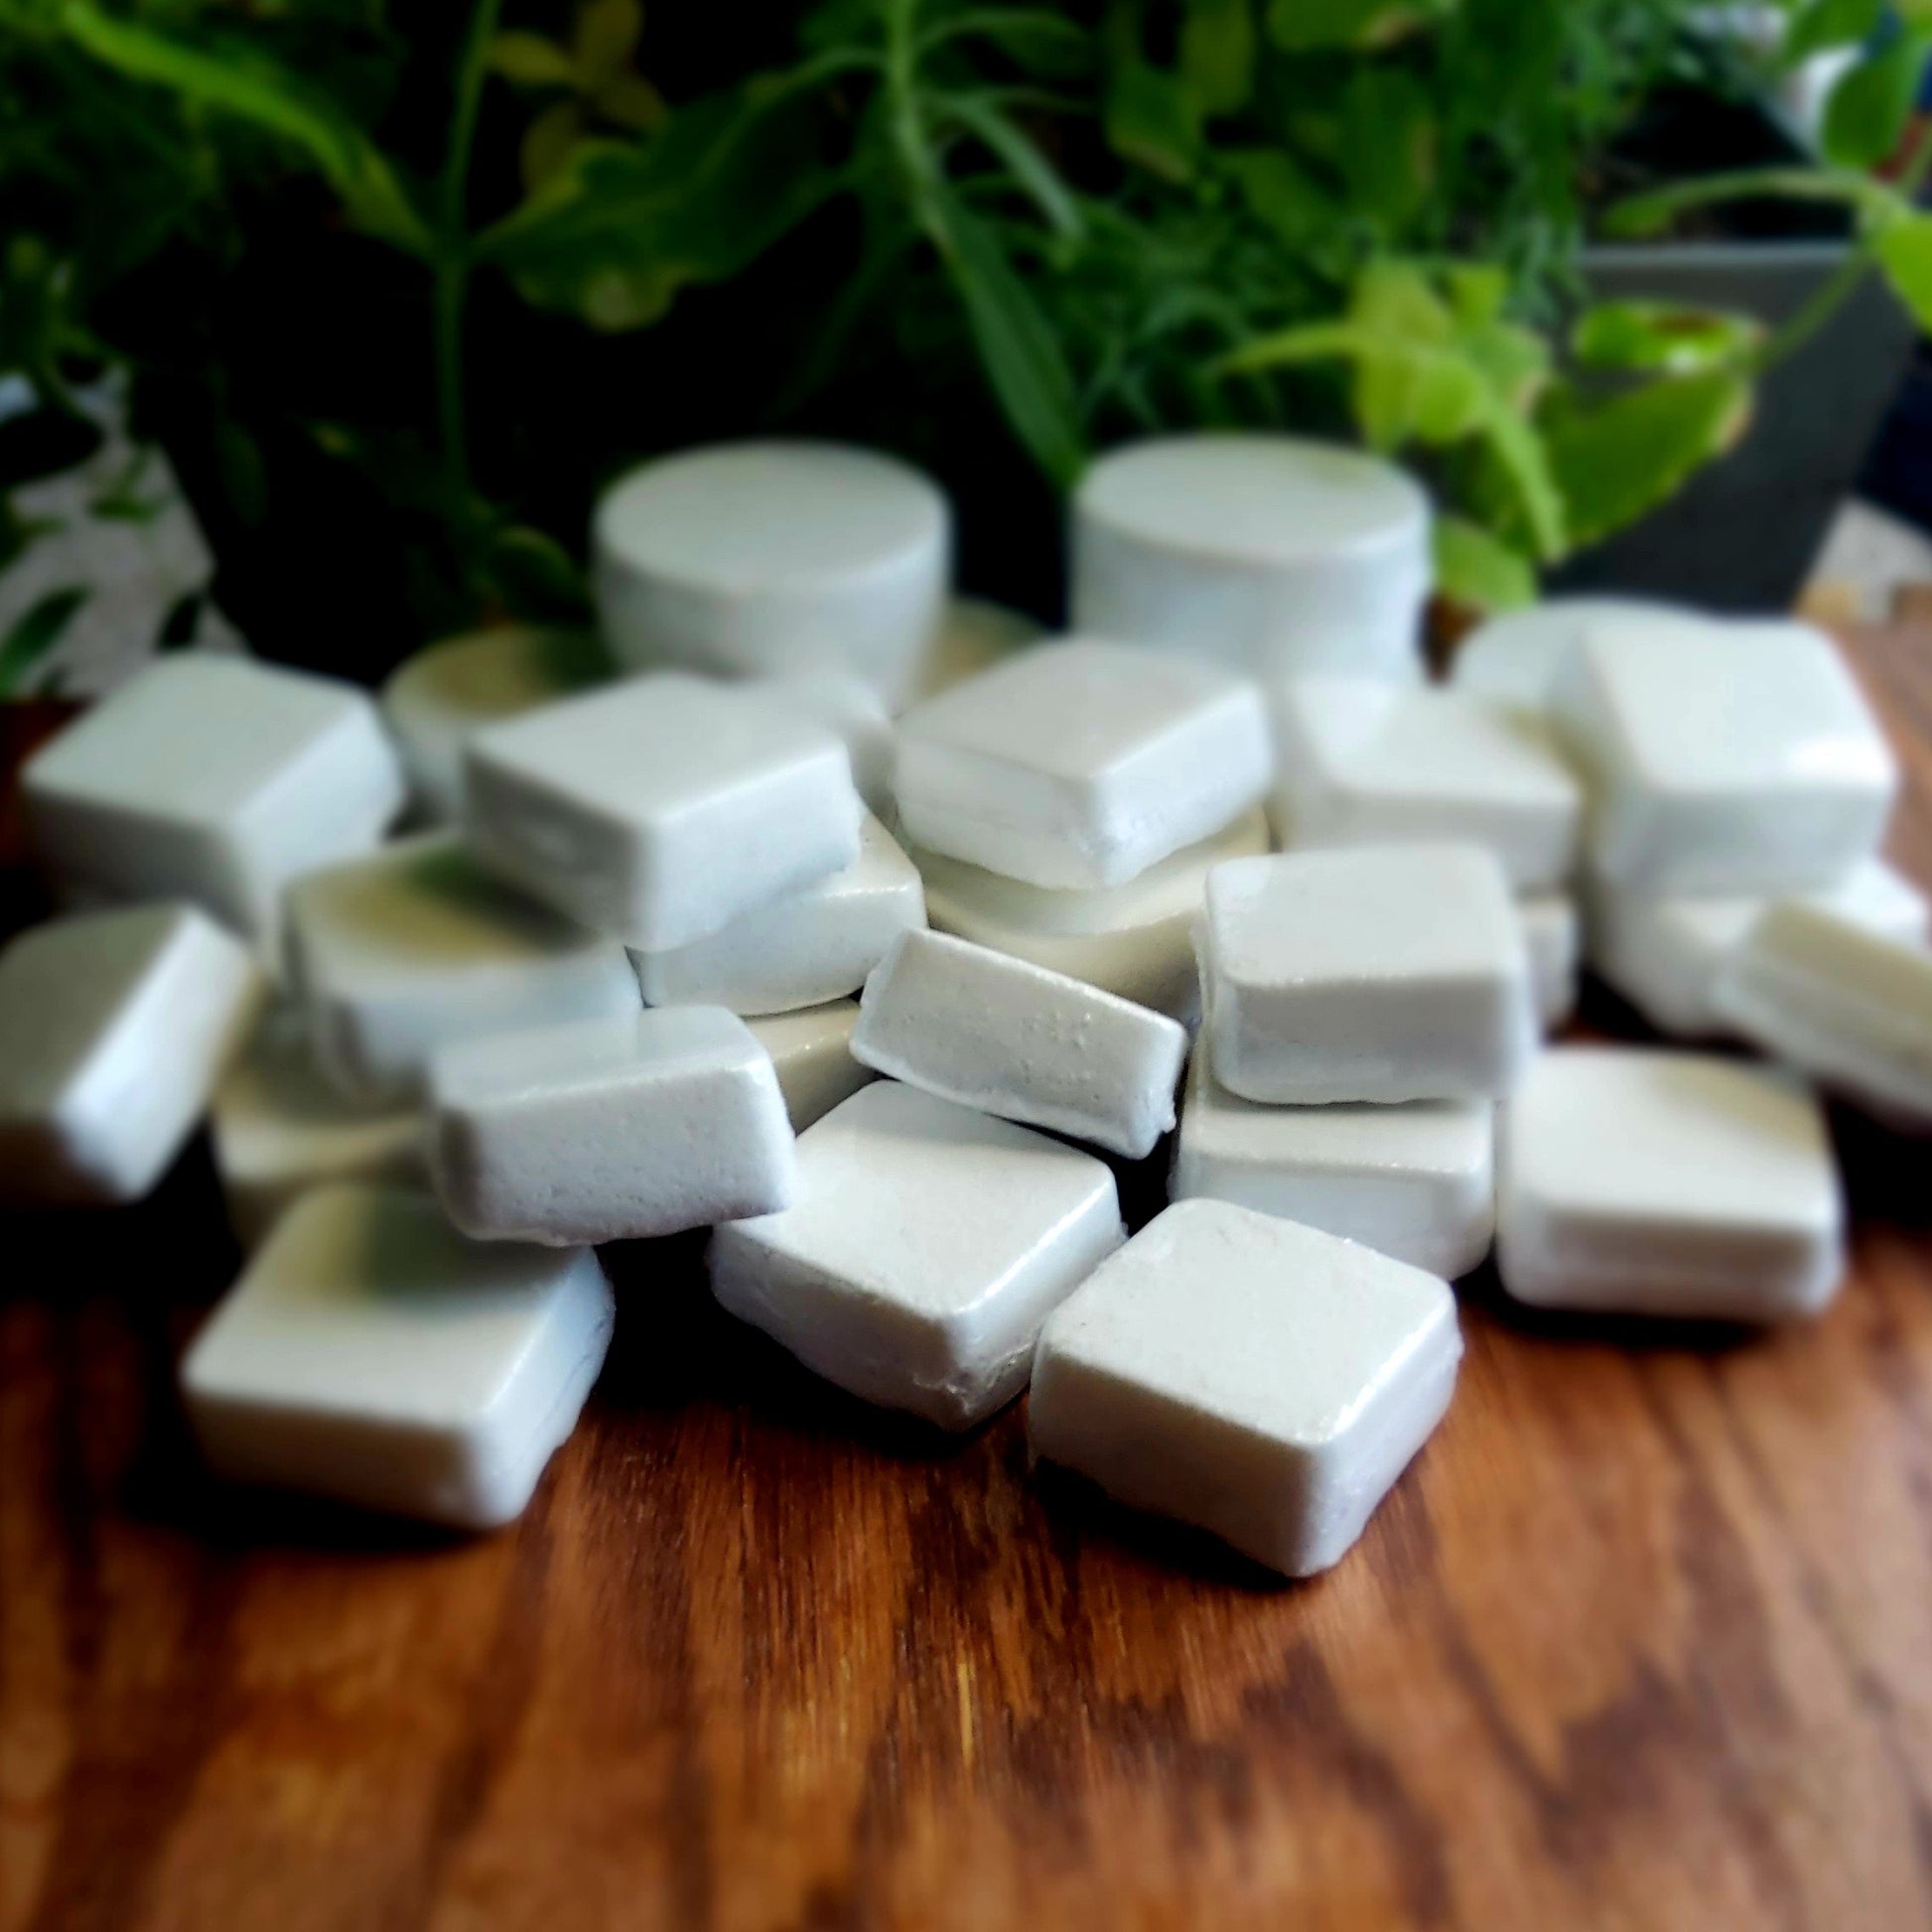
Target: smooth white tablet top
{"type": "Point", "coordinates": [212, 779]}
{"type": "Point", "coordinates": [999, 1034]}
{"type": "Point", "coordinates": [1135, 939]}
{"type": "Point", "coordinates": [661, 808]}
{"type": "Point", "coordinates": [1654, 1182]}
{"type": "Point", "coordinates": [748, 558]}
{"type": "Point", "coordinates": [1416, 1181]}
{"type": "Point", "coordinates": [1384, 973]}
{"type": "Point", "coordinates": [1261, 1379]}
{"type": "Point", "coordinates": [1265, 552]}
{"type": "Point", "coordinates": [1553, 933]}
{"type": "Point", "coordinates": [810, 946]}
{"type": "Point", "coordinates": [372, 1355]}
{"type": "Point", "coordinates": [1513, 659]}
{"type": "Point", "coordinates": [1081, 762]}
{"type": "Point", "coordinates": [852, 711]}
{"type": "Point", "coordinates": [973, 636]}
{"type": "Point", "coordinates": [1848, 1006]}
{"type": "Point", "coordinates": [114, 1028]}
{"type": "Point", "coordinates": [928, 1245]}
{"type": "Point", "coordinates": [1664, 953]}
{"type": "Point", "coordinates": [279, 1128]}
{"type": "Point", "coordinates": [811, 1053]}
{"type": "Point", "coordinates": [435, 701]}
{"type": "Point", "coordinates": [1721, 759]}
{"type": "Point", "coordinates": [395, 954]}
{"type": "Point", "coordinates": [609, 1129]}
{"type": "Point", "coordinates": [1363, 763]}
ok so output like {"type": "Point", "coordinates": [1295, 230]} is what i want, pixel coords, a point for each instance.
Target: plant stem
{"type": "Point", "coordinates": [909, 141]}
{"type": "Point", "coordinates": [1812, 313]}
{"type": "Point", "coordinates": [1837, 288]}
{"type": "Point", "coordinates": [451, 258]}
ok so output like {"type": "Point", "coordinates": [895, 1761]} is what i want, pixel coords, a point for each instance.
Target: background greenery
{"type": "Point", "coordinates": [399, 289]}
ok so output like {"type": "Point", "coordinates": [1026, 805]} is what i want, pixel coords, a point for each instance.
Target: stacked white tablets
{"type": "Point", "coordinates": [1012, 1038]}
{"type": "Point", "coordinates": [803, 948]}
{"type": "Point", "coordinates": [215, 780]}
{"type": "Point", "coordinates": [114, 1028]}
{"type": "Point", "coordinates": [615, 999]}
{"type": "Point", "coordinates": [1067, 804]}
{"type": "Point", "coordinates": [1513, 659]}
{"type": "Point", "coordinates": [1665, 952]}
{"type": "Point", "coordinates": [1722, 758]}
{"type": "Point", "coordinates": [465, 1017]}
{"type": "Point", "coordinates": [1739, 788]}
{"type": "Point", "coordinates": [1652, 1183]}
{"type": "Point", "coordinates": [928, 1245]}
{"type": "Point", "coordinates": [1363, 761]}
{"type": "Point", "coordinates": [1366, 1007]}
{"type": "Point", "coordinates": [372, 1355]}
{"type": "Point", "coordinates": [1250, 1375]}
{"type": "Point", "coordinates": [279, 1125]}
{"type": "Point", "coordinates": [437, 700]}
{"type": "Point", "coordinates": [608, 1129]}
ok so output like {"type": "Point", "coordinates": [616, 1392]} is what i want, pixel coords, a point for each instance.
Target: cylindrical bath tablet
{"type": "Point", "coordinates": [1270, 553]}
{"type": "Point", "coordinates": [760, 558]}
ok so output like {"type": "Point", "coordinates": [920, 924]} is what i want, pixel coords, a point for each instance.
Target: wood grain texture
{"type": "Point", "coordinates": [1641, 1641]}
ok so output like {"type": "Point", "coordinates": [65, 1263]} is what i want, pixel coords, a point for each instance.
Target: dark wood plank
{"type": "Point", "coordinates": [1641, 1641]}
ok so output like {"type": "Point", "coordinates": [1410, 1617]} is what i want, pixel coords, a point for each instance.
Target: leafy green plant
{"type": "Point", "coordinates": [411, 295]}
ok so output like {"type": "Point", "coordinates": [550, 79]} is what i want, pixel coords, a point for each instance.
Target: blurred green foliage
{"type": "Point", "coordinates": [398, 296]}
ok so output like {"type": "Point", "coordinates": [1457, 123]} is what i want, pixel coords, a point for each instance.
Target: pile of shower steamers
{"type": "Point", "coordinates": [1221, 849]}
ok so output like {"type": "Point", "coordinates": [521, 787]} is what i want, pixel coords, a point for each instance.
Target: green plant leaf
{"type": "Point", "coordinates": [606, 34]}
{"type": "Point", "coordinates": [530, 60]}
{"type": "Point", "coordinates": [1217, 54]}
{"type": "Point", "coordinates": [1476, 291]}
{"type": "Point", "coordinates": [621, 228]}
{"type": "Point", "coordinates": [1387, 145]}
{"type": "Point", "coordinates": [1397, 299]}
{"type": "Point", "coordinates": [1473, 566]}
{"type": "Point", "coordinates": [549, 142]}
{"type": "Point", "coordinates": [1022, 157]}
{"type": "Point", "coordinates": [35, 632]}
{"type": "Point", "coordinates": [1652, 212]}
{"type": "Point", "coordinates": [1281, 193]}
{"type": "Point", "coordinates": [1523, 458]}
{"type": "Point", "coordinates": [1018, 348]}
{"type": "Point", "coordinates": [1514, 362]}
{"type": "Point", "coordinates": [1414, 384]}
{"type": "Point", "coordinates": [1867, 113]}
{"type": "Point", "coordinates": [1152, 120]}
{"type": "Point", "coordinates": [1825, 23]}
{"type": "Point", "coordinates": [1616, 461]}
{"type": "Point", "coordinates": [1048, 45]}
{"type": "Point", "coordinates": [1418, 376]}
{"type": "Point", "coordinates": [535, 576]}
{"type": "Point", "coordinates": [239, 78]}
{"type": "Point", "coordinates": [630, 100]}
{"type": "Point", "coordinates": [1661, 337]}
{"type": "Point", "coordinates": [1312, 26]}
{"type": "Point", "coordinates": [1905, 252]}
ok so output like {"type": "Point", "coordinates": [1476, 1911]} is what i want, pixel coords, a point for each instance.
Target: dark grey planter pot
{"type": "Point", "coordinates": [1743, 534]}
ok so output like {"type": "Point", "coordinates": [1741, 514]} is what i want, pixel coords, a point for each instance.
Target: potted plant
{"type": "Point", "coordinates": [1743, 533]}
{"type": "Point", "coordinates": [397, 305]}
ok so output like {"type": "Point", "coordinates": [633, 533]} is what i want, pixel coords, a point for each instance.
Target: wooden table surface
{"type": "Point", "coordinates": [1644, 1639]}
